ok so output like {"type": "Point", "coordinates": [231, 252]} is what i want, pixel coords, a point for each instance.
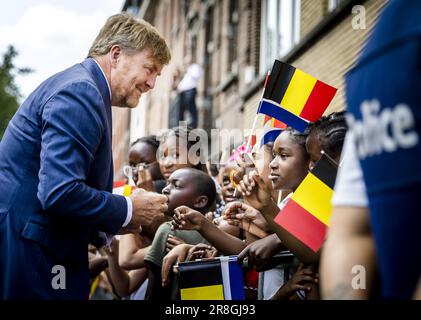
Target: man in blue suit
{"type": "Point", "coordinates": [56, 166]}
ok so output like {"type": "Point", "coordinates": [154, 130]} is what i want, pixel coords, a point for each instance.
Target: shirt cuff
{"type": "Point", "coordinates": [129, 212]}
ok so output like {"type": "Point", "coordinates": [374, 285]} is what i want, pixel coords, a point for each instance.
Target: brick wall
{"type": "Point", "coordinates": [312, 13]}
{"type": "Point", "coordinates": [226, 103]}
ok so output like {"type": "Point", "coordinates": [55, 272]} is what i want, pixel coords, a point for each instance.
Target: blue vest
{"type": "Point", "coordinates": [383, 95]}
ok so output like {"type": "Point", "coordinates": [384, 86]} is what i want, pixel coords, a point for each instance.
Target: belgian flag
{"type": "Point", "coordinates": [215, 279]}
{"type": "Point", "coordinates": [122, 188]}
{"type": "Point", "coordinates": [294, 97]}
{"type": "Point", "coordinates": [307, 213]}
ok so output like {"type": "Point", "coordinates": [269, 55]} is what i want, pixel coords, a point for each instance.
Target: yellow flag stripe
{"type": "Point", "coordinates": [215, 292]}
{"type": "Point", "coordinates": [298, 91]}
{"type": "Point", "coordinates": [315, 197]}
{"type": "Point", "coordinates": [127, 191]}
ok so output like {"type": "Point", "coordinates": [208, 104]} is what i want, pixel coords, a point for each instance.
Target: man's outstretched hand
{"type": "Point", "coordinates": [146, 206]}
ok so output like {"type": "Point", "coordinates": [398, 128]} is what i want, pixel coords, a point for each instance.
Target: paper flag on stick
{"type": "Point", "coordinates": [307, 213]}
{"type": "Point", "coordinates": [294, 97]}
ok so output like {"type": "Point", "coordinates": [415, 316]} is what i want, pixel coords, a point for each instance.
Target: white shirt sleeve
{"type": "Point", "coordinates": [195, 71]}
{"type": "Point", "coordinates": [129, 212]}
{"type": "Point", "coordinates": [350, 188]}
{"type": "Point", "coordinates": [191, 78]}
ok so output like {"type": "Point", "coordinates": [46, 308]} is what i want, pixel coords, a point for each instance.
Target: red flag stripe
{"type": "Point", "coordinates": [266, 119]}
{"type": "Point", "coordinates": [279, 124]}
{"type": "Point", "coordinates": [318, 101]}
{"type": "Point", "coordinates": [266, 79]}
{"type": "Point", "coordinates": [302, 225]}
{"type": "Point", "coordinates": [119, 183]}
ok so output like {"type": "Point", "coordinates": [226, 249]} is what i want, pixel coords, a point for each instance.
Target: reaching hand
{"type": "Point", "coordinates": [303, 280]}
{"type": "Point", "coordinates": [146, 206]}
{"type": "Point", "coordinates": [176, 255]}
{"type": "Point", "coordinates": [201, 251]}
{"type": "Point", "coordinates": [209, 216]}
{"type": "Point", "coordinates": [255, 192]}
{"type": "Point", "coordinates": [243, 215]}
{"type": "Point", "coordinates": [172, 242]}
{"type": "Point", "coordinates": [144, 179]}
{"type": "Point", "coordinates": [245, 165]}
{"type": "Point", "coordinates": [185, 218]}
{"type": "Point", "coordinates": [112, 249]}
{"type": "Point", "coordinates": [260, 252]}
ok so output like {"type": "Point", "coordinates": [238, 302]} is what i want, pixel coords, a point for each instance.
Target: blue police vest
{"type": "Point", "coordinates": [383, 95]}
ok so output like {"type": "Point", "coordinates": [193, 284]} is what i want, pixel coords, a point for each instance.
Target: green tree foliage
{"type": "Point", "coordinates": [9, 92]}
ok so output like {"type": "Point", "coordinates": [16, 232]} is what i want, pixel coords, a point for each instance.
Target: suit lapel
{"type": "Point", "coordinates": [101, 83]}
{"type": "Point", "coordinates": [99, 79]}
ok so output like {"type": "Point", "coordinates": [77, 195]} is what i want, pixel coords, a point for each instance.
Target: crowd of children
{"type": "Point", "coordinates": [225, 214]}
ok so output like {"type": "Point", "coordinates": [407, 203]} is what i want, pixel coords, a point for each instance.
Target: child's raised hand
{"type": "Point", "coordinates": [209, 216]}
{"type": "Point", "coordinates": [172, 242]}
{"type": "Point", "coordinates": [144, 179]}
{"type": "Point", "coordinates": [186, 218]}
{"type": "Point", "coordinates": [112, 250]}
{"type": "Point", "coordinates": [255, 192]}
{"type": "Point", "coordinates": [243, 215]}
{"type": "Point", "coordinates": [249, 227]}
{"type": "Point", "coordinates": [201, 251]}
{"type": "Point", "coordinates": [303, 280]}
{"type": "Point", "coordinates": [245, 165]}
{"type": "Point", "coordinates": [260, 253]}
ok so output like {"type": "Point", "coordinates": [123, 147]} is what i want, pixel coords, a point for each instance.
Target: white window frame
{"type": "Point", "coordinates": [266, 59]}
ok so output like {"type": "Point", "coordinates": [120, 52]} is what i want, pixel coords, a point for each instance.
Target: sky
{"type": "Point", "coordinates": [51, 35]}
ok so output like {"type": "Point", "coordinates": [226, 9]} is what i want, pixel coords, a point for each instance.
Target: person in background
{"type": "Point", "coordinates": [187, 90]}
{"type": "Point", "coordinates": [327, 135]}
{"type": "Point", "coordinates": [145, 167]}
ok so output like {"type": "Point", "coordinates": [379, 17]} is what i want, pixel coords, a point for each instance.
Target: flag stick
{"type": "Point", "coordinates": [257, 114]}
{"type": "Point", "coordinates": [255, 121]}
{"type": "Point", "coordinates": [279, 197]}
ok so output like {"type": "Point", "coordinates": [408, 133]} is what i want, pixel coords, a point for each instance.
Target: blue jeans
{"type": "Point", "coordinates": [188, 103]}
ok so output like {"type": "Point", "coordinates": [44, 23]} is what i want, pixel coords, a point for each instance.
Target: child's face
{"type": "Point", "coordinates": [314, 150]}
{"type": "Point", "coordinates": [144, 153]}
{"type": "Point", "coordinates": [290, 164]}
{"type": "Point", "coordinates": [180, 191]}
{"type": "Point", "coordinates": [173, 156]}
{"type": "Point", "coordinates": [227, 188]}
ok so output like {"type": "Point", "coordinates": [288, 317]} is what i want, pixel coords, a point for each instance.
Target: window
{"type": "Point", "coordinates": [133, 10]}
{"type": "Point", "coordinates": [232, 35]}
{"type": "Point", "coordinates": [280, 30]}
{"type": "Point", "coordinates": [209, 25]}
{"type": "Point", "coordinates": [333, 4]}
{"type": "Point", "coordinates": [186, 7]}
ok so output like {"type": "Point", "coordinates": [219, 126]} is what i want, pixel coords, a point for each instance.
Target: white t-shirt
{"type": "Point", "coordinates": [191, 78]}
{"type": "Point", "coordinates": [349, 188]}
{"type": "Point", "coordinates": [273, 278]}
{"type": "Point", "coordinates": [140, 293]}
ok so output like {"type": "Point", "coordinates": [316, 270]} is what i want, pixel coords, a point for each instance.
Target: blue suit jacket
{"type": "Point", "coordinates": [56, 174]}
